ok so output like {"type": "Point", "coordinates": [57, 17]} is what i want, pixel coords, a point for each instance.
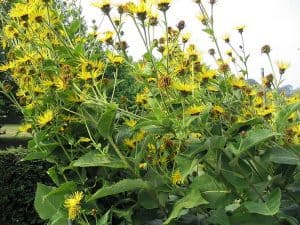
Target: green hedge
{"type": "Point", "coordinates": [17, 187]}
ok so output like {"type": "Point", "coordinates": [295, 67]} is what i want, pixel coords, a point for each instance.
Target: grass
{"type": "Point", "coordinates": [11, 137]}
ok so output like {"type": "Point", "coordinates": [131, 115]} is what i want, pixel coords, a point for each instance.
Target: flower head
{"type": "Point", "coordinates": [282, 66]}
{"type": "Point", "coordinates": [240, 28]}
{"type": "Point", "coordinates": [45, 118]}
{"type": "Point", "coordinates": [177, 178]}
{"type": "Point", "coordinates": [194, 110]}
{"type": "Point", "coordinates": [72, 203]}
{"type": "Point", "coordinates": [163, 5]}
{"type": "Point", "coordinates": [103, 5]}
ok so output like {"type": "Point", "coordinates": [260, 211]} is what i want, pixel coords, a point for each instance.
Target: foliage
{"type": "Point", "coordinates": [197, 143]}
{"type": "Point", "coordinates": [18, 184]}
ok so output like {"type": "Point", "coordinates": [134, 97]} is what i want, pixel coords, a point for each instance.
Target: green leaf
{"type": "Point", "coordinates": [104, 219]}
{"type": "Point", "coordinates": [92, 159]}
{"type": "Point", "coordinates": [59, 218]}
{"type": "Point", "coordinates": [284, 156]}
{"type": "Point", "coordinates": [254, 138]}
{"type": "Point", "coordinates": [268, 208]}
{"type": "Point", "coordinates": [236, 127]}
{"type": "Point", "coordinates": [35, 155]}
{"type": "Point", "coordinates": [283, 115]}
{"type": "Point", "coordinates": [53, 175]}
{"type": "Point", "coordinates": [191, 200]}
{"type": "Point", "coordinates": [148, 199]}
{"type": "Point", "coordinates": [219, 217]}
{"type": "Point", "coordinates": [212, 190]}
{"type": "Point", "coordinates": [63, 189]}
{"type": "Point", "coordinates": [47, 207]}
{"type": "Point", "coordinates": [243, 218]}
{"type": "Point", "coordinates": [119, 187]}
{"type": "Point", "coordinates": [106, 122]}
{"type": "Point", "coordinates": [185, 164]}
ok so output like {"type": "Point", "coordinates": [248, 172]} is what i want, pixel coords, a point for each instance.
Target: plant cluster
{"type": "Point", "coordinates": [188, 143]}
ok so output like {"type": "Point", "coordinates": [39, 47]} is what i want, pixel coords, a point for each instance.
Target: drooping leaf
{"type": "Point", "coordinates": [47, 207]}
{"type": "Point", "coordinates": [268, 208]}
{"type": "Point", "coordinates": [284, 156]}
{"type": "Point", "coordinates": [219, 217]}
{"type": "Point", "coordinates": [254, 138]}
{"type": "Point", "coordinates": [35, 155]}
{"type": "Point", "coordinates": [106, 122]}
{"type": "Point", "coordinates": [119, 187]}
{"type": "Point", "coordinates": [92, 159]}
{"type": "Point", "coordinates": [63, 189]}
{"type": "Point", "coordinates": [148, 199]}
{"type": "Point", "coordinates": [191, 200]}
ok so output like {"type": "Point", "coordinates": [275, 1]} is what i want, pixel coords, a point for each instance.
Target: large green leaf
{"type": "Point", "coordinates": [119, 187]}
{"type": "Point", "coordinates": [191, 200]}
{"type": "Point", "coordinates": [254, 138]}
{"type": "Point", "coordinates": [185, 164]}
{"type": "Point", "coordinates": [47, 207]}
{"type": "Point", "coordinates": [243, 218]}
{"type": "Point", "coordinates": [59, 218]}
{"type": "Point", "coordinates": [219, 217]}
{"type": "Point", "coordinates": [148, 199]}
{"type": "Point", "coordinates": [63, 189]}
{"type": "Point", "coordinates": [106, 122]}
{"type": "Point", "coordinates": [284, 156]}
{"type": "Point", "coordinates": [92, 159]}
{"type": "Point", "coordinates": [268, 208]}
{"type": "Point", "coordinates": [211, 189]}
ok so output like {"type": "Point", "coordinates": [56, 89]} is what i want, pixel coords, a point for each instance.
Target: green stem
{"type": "Point", "coordinates": [121, 156]}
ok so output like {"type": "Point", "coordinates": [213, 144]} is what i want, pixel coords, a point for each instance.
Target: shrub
{"type": "Point", "coordinates": [18, 182]}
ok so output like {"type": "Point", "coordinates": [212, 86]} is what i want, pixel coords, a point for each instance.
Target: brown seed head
{"type": "Point", "coordinates": [266, 49]}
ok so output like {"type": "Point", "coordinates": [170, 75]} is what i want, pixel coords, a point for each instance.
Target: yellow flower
{"type": "Point", "coordinates": [176, 178]}
{"type": "Point", "coordinates": [130, 143]}
{"type": "Point", "coordinates": [163, 5]}
{"type": "Point", "coordinates": [72, 203]}
{"type": "Point", "coordinates": [185, 88]}
{"type": "Point", "coordinates": [141, 99]}
{"type": "Point", "coordinates": [45, 118]}
{"type": "Point", "coordinates": [104, 5]}
{"type": "Point", "coordinates": [25, 128]}
{"type": "Point", "coordinates": [151, 148]}
{"type": "Point", "coordinates": [240, 28]}
{"type": "Point", "coordinates": [266, 111]}
{"type": "Point", "coordinates": [115, 59]}
{"type": "Point", "coordinates": [202, 18]}
{"type": "Point", "coordinates": [218, 109]}
{"type": "Point", "coordinates": [194, 110]}
{"type": "Point", "coordinates": [282, 66]}
{"type": "Point", "coordinates": [226, 38]}
{"type": "Point", "coordinates": [143, 166]}
{"type": "Point", "coordinates": [186, 37]}
{"type": "Point", "coordinates": [238, 83]}
{"type": "Point", "coordinates": [140, 136]}
{"type": "Point", "coordinates": [130, 123]}
{"type": "Point", "coordinates": [107, 37]}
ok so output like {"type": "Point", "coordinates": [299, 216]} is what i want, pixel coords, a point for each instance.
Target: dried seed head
{"type": "Point", "coordinates": [181, 25]}
{"type": "Point", "coordinates": [164, 81]}
{"type": "Point", "coordinates": [212, 51]}
{"type": "Point", "coordinates": [266, 49]}
{"type": "Point", "coordinates": [212, 2]}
